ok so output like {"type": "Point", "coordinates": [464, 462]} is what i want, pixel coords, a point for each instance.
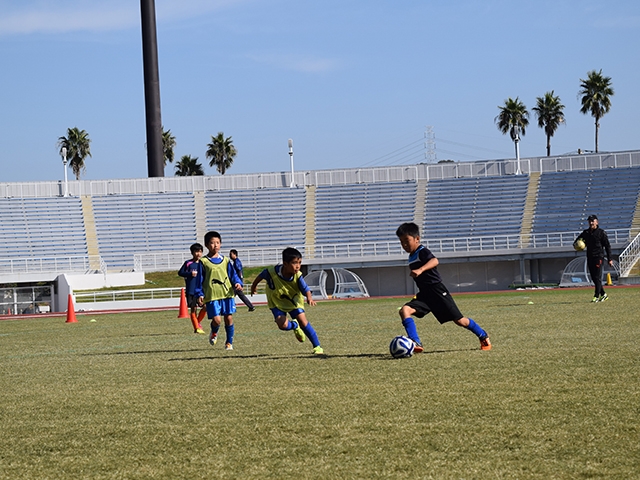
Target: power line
{"type": "Point", "coordinates": [419, 149]}
{"type": "Point", "coordinates": [471, 146]}
{"type": "Point", "coordinates": [411, 146]}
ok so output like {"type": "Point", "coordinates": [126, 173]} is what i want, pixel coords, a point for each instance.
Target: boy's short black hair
{"type": "Point", "coordinates": [210, 235]}
{"type": "Point", "coordinates": [408, 228]}
{"type": "Point", "coordinates": [290, 254]}
{"type": "Point", "coordinates": [196, 247]}
{"type": "Point", "coordinates": [234, 251]}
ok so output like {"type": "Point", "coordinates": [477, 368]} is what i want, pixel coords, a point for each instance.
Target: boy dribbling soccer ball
{"type": "Point", "coordinates": [433, 296]}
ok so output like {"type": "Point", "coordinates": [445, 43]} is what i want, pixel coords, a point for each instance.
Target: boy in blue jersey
{"type": "Point", "coordinates": [192, 273]}
{"type": "Point", "coordinates": [432, 295]}
{"type": "Point", "coordinates": [237, 264]}
{"type": "Point", "coordinates": [219, 284]}
{"type": "Point", "coordinates": [286, 291]}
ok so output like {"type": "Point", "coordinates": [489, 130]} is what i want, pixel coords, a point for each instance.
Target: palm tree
{"type": "Point", "coordinates": [221, 152]}
{"type": "Point", "coordinates": [77, 143]}
{"type": "Point", "coordinates": [168, 144]}
{"type": "Point", "coordinates": [550, 115]}
{"type": "Point", "coordinates": [596, 91]}
{"type": "Point", "coordinates": [188, 167]}
{"type": "Point", "coordinates": [513, 119]}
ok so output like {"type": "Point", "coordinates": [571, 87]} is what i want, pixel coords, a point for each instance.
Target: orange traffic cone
{"type": "Point", "coordinates": [71, 314]}
{"type": "Point", "coordinates": [184, 311]}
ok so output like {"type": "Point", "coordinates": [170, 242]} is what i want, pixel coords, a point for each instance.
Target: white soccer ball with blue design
{"type": "Point", "coordinates": [401, 347]}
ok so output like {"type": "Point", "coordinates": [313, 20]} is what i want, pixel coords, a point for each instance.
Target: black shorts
{"type": "Point", "coordinates": [437, 300]}
{"type": "Point", "coordinates": [192, 301]}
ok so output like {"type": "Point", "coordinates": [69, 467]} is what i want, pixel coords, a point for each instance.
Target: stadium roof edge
{"type": "Point", "coordinates": [302, 179]}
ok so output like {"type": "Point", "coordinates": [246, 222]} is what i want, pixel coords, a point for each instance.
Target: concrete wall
{"type": "Point", "coordinates": [465, 276]}
{"type": "Point", "coordinates": [66, 284]}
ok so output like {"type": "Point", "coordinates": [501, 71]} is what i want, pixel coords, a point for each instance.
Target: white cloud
{"type": "Point", "coordinates": [181, 9]}
{"type": "Point", "coordinates": [69, 18]}
{"type": "Point", "coordinates": [297, 63]}
{"type": "Point", "coordinates": [632, 22]}
{"type": "Point", "coordinates": [89, 16]}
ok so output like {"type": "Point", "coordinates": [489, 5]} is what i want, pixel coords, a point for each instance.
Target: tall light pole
{"type": "Point", "coordinates": [63, 153]}
{"type": "Point", "coordinates": [516, 140]}
{"type": "Point", "coordinates": [293, 183]}
{"type": "Point", "coordinates": [155, 159]}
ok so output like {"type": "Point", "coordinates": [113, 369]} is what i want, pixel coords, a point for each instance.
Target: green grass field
{"type": "Point", "coordinates": [140, 396]}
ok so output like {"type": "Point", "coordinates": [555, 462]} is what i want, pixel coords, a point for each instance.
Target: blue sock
{"type": "Point", "coordinates": [291, 325]}
{"type": "Point", "coordinates": [409, 325]}
{"type": "Point", "coordinates": [475, 328]}
{"type": "Point", "coordinates": [214, 327]}
{"type": "Point", "coordinates": [311, 334]}
{"type": "Point", "coordinates": [229, 329]}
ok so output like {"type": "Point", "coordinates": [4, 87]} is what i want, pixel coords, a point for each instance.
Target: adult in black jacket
{"type": "Point", "coordinates": [598, 246]}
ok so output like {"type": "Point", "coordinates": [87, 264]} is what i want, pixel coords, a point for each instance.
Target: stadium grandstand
{"type": "Point", "coordinates": [490, 227]}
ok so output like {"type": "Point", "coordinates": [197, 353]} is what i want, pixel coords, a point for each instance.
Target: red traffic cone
{"type": "Point", "coordinates": [71, 314]}
{"type": "Point", "coordinates": [184, 311]}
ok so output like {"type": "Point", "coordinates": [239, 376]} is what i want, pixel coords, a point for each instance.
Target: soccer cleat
{"type": "Point", "coordinates": [318, 350]}
{"type": "Point", "coordinates": [228, 346]}
{"type": "Point", "coordinates": [299, 334]}
{"type": "Point", "coordinates": [200, 331]}
{"type": "Point", "coordinates": [213, 338]}
{"type": "Point", "coordinates": [594, 299]}
{"type": "Point", "coordinates": [485, 343]}
{"type": "Point", "coordinates": [252, 309]}
{"type": "Point", "coordinates": [603, 298]}
{"type": "Point", "coordinates": [418, 348]}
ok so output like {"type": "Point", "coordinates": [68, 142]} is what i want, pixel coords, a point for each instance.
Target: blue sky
{"type": "Point", "coordinates": [353, 82]}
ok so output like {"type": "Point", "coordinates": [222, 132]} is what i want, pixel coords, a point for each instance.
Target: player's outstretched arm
{"type": "Point", "coordinates": [254, 285]}
{"type": "Point", "coordinates": [310, 299]}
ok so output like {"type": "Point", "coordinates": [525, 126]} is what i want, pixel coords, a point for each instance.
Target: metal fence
{"type": "Point", "coordinates": [629, 256]}
{"type": "Point", "coordinates": [253, 181]}
{"type": "Point", "coordinates": [62, 264]}
{"type": "Point", "coordinates": [252, 257]}
{"type": "Point", "coordinates": [167, 261]}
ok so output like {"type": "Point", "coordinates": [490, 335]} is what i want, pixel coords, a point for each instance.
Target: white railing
{"type": "Point", "coordinates": [103, 265]}
{"type": "Point", "coordinates": [122, 295]}
{"type": "Point", "coordinates": [358, 250]}
{"type": "Point", "coordinates": [562, 239]}
{"type": "Point", "coordinates": [629, 256]}
{"type": "Point", "coordinates": [256, 257]}
{"type": "Point", "coordinates": [68, 264]}
{"type": "Point", "coordinates": [251, 257]}
{"type": "Point", "coordinates": [322, 177]}
{"type": "Point", "coordinates": [167, 261]}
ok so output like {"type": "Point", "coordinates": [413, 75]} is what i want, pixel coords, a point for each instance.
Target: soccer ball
{"type": "Point", "coordinates": [401, 347]}
{"type": "Point", "coordinates": [579, 245]}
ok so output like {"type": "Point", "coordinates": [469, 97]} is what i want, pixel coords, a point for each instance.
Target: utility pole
{"type": "Point", "coordinates": [155, 156]}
